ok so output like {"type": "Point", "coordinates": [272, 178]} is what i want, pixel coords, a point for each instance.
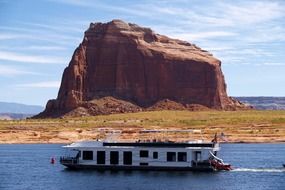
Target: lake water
{"type": "Point", "coordinates": [258, 167]}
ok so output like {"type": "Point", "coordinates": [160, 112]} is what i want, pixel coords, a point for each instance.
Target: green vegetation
{"type": "Point", "coordinates": [250, 126]}
{"type": "Point", "coordinates": [160, 118]}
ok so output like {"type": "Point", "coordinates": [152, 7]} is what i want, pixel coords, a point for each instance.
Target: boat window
{"type": "Point", "coordinates": [143, 164]}
{"type": "Point", "coordinates": [114, 157]}
{"type": "Point", "coordinates": [87, 155]}
{"type": "Point", "coordinates": [155, 155]}
{"type": "Point", "coordinates": [101, 157]}
{"type": "Point", "coordinates": [171, 156]}
{"type": "Point", "coordinates": [144, 153]}
{"type": "Point", "coordinates": [182, 157]}
{"type": "Point", "coordinates": [128, 158]}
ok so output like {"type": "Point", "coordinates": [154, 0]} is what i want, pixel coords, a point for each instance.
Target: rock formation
{"type": "Point", "coordinates": [126, 68]}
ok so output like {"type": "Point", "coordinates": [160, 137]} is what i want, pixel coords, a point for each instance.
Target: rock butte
{"type": "Point", "coordinates": [122, 67]}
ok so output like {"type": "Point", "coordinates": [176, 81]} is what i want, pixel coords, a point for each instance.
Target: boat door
{"type": "Point", "coordinates": [197, 156]}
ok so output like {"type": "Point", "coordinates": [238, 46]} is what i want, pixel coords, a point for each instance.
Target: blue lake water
{"type": "Point", "coordinates": [258, 167]}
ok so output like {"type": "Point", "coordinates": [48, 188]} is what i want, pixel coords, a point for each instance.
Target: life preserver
{"type": "Point", "coordinates": [52, 160]}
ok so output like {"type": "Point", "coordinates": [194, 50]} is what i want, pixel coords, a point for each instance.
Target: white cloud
{"type": "Point", "coordinates": [220, 13]}
{"type": "Point", "coordinates": [9, 71]}
{"type": "Point", "coordinates": [218, 48]}
{"type": "Point", "coordinates": [11, 56]}
{"type": "Point", "coordinates": [242, 51]}
{"type": "Point", "coordinates": [252, 12]}
{"type": "Point", "coordinates": [62, 27]}
{"type": "Point", "coordinates": [44, 84]}
{"type": "Point", "coordinates": [203, 35]}
{"type": "Point", "coordinates": [33, 48]}
{"type": "Point", "coordinates": [232, 59]}
{"type": "Point", "coordinates": [223, 14]}
{"type": "Point", "coordinates": [272, 64]}
{"type": "Point", "coordinates": [10, 36]}
{"type": "Point", "coordinates": [44, 37]}
{"type": "Point", "coordinates": [265, 34]}
{"type": "Point", "coordinates": [45, 47]}
{"type": "Point", "coordinates": [82, 3]}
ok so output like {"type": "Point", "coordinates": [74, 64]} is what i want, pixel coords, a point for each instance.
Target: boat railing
{"type": "Point", "coordinates": [165, 135]}
{"type": "Point", "coordinates": [216, 158]}
{"type": "Point", "coordinates": [68, 160]}
{"type": "Point", "coordinates": [154, 135]}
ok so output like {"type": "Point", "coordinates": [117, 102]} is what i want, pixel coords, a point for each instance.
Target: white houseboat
{"type": "Point", "coordinates": [145, 155]}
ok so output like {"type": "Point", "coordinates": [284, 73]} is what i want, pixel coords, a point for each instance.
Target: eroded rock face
{"type": "Point", "coordinates": [134, 64]}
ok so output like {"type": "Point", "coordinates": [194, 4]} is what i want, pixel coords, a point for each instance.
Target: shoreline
{"type": "Point", "coordinates": [54, 143]}
{"type": "Point", "coordinates": [236, 126]}
{"type": "Point", "coordinates": [27, 136]}
{"type": "Point", "coordinates": [75, 135]}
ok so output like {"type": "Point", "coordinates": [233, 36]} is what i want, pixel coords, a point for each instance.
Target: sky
{"type": "Point", "coordinates": [38, 38]}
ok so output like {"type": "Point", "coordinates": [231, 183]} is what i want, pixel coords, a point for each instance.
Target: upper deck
{"type": "Point", "coordinates": [154, 143]}
{"type": "Point", "coordinates": [101, 144]}
{"type": "Point", "coordinates": [158, 144]}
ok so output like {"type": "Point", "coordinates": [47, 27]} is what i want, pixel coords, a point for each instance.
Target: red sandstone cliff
{"type": "Point", "coordinates": [121, 67]}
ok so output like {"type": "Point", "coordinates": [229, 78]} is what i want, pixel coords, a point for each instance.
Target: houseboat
{"type": "Point", "coordinates": [145, 155]}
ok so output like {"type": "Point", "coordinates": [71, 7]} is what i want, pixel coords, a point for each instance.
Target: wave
{"type": "Point", "coordinates": [273, 170]}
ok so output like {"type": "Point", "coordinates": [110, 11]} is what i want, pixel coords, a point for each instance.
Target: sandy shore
{"type": "Point", "coordinates": [68, 136]}
{"type": "Point", "coordinates": [246, 127]}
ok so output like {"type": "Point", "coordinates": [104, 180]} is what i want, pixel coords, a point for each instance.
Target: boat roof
{"type": "Point", "coordinates": [158, 144]}
{"type": "Point", "coordinates": [171, 131]}
{"type": "Point", "coordinates": [170, 144]}
{"type": "Point", "coordinates": [84, 144]}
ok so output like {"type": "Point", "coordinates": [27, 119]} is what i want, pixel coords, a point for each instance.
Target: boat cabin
{"type": "Point", "coordinates": [143, 155]}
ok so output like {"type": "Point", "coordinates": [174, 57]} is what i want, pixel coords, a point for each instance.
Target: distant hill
{"type": "Point", "coordinates": [10, 110]}
{"type": "Point", "coordinates": [264, 102]}
{"type": "Point", "coordinates": [12, 116]}
{"type": "Point", "coordinates": [7, 107]}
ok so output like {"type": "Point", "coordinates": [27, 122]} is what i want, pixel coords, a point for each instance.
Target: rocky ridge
{"type": "Point", "coordinates": [122, 67]}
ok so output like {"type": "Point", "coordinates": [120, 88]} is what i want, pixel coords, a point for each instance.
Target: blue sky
{"type": "Point", "coordinates": [38, 37]}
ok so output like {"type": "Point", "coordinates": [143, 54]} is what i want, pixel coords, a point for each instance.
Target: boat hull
{"type": "Point", "coordinates": [145, 168]}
